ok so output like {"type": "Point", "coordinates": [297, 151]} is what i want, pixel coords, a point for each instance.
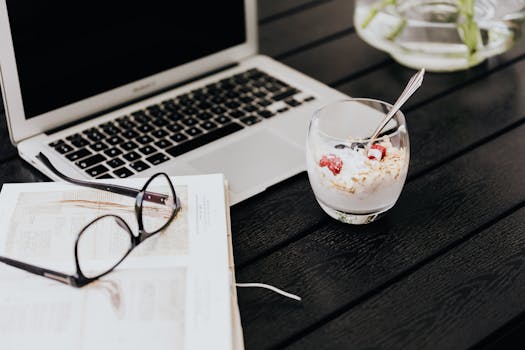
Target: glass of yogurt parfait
{"type": "Point", "coordinates": [356, 179]}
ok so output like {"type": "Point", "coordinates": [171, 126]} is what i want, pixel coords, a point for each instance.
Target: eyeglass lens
{"type": "Point", "coordinates": [159, 204]}
{"type": "Point", "coordinates": [102, 245]}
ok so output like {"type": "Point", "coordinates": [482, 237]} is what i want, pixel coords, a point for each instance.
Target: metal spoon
{"type": "Point", "coordinates": [412, 86]}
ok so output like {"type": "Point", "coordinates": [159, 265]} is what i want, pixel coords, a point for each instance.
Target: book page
{"type": "Point", "coordinates": [169, 292]}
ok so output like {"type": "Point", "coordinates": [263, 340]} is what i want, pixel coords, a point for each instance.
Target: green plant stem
{"type": "Point", "coordinates": [373, 12]}
{"type": "Point", "coordinates": [397, 30]}
{"type": "Point", "coordinates": [468, 28]}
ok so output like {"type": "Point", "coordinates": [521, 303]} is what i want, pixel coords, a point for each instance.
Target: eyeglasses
{"type": "Point", "coordinates": [156, 205]}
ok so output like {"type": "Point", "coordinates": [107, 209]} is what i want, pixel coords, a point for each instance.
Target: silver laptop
{"type": "Point", "coordinates": [113, 90]}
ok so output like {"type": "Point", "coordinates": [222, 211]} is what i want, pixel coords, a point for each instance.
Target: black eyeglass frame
{"type": "Point", "coordinates": [80, 279]}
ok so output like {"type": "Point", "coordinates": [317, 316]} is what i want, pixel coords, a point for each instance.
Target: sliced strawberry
{"type": "Point", "coordinates": [381, 148]}
{"type": "Point", "coordinates": [333, 162]}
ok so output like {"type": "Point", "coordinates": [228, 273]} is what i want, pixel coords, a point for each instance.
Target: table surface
{"type": "Point", "coordinates": [446, 267]}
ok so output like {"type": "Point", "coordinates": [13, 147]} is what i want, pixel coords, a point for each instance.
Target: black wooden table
{"type": "Point", "coordinates": [446, 267]}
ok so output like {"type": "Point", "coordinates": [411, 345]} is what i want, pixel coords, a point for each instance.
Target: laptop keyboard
{"type": "Point", "coordinates": [153, 135]}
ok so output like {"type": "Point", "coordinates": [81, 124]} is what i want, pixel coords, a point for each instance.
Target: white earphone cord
{"type": "Point", "coordinates": [272, 288]}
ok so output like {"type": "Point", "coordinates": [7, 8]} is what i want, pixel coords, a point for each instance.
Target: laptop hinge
{"type": "Point", "coordinates": [141, 98]}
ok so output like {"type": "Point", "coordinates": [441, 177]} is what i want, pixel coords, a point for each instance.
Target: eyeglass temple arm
{"type": "Point", "coordinates": [123, 190]}
{"type": "Point", "coordinates": [54, 275]}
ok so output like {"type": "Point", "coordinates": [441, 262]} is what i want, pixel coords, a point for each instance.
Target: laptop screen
{"type": "Point", "coordinates": [67, 51]}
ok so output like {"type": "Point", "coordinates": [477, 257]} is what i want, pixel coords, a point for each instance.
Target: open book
{"type": "Point", "coordinates": [175, 291]}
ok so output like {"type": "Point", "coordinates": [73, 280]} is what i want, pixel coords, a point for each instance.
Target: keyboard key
{"type": "Point", "coordinates": [223, 119]}
{"type": "Point", "coordinates": [96, 170]}
{"type": "Point", "coordinates": [139, 166]}
{"type": "Point", "coordinates": [105, 176]}
{"type": "Point", "coordinates": [204, 105]}
{"type": "Point", "coordinates": [218, 110]}
{"type": "Point", "coordinates": [160, 122]}
{"type": "Point", "coordinates": [175, 117]}
{"type": "Point", "coordinates": [128, 145]}
{"type": "Point", "coordinates": [204, 116]}
{"type": "Point", "coordinates": [153, 108]}
{"type": "Point", "coordinates": [237, 114]}
{"type": "Point", "coordinates": [147, 150]}
{"type": "Point", "coordinates": [292, 102]}
{"type": "Point", "coordinates": [79, 142]}
{"type": "Point", "coordinates": [190, 121]}
{"type": "Point", "coordinates": [260, 94]}
{"type": "Point", "coordinates": [157, 158]}
{"type": "Point", "coordinates": [142, 120]}
{"type": "Point", "coordinates": [176, 127]}
{"type": "Point", "coordinates": [145, 128]}
{"type": "Point", "coordinates": [99, 146]}
{"type": "Point", "coordinates": [113, 152]}
{"type": "Point", "coordinates": [115, 163]}
{"type": "Point", "coordinates": [218, 100]}
{"type": "Point", "coordinates": [111, 130]}
{"type": "Point", "coordinates": [273, 87]}
{"type": "Point", "coordinates": [250, 120]}
{"type": "Point", "coordinates": [282, 110]}
{"type": "Point", "coordinates": [114, 140]}
{"type": "Point", "coordinates": [144, 139]}
{"type": "Point", "coordinates": [232, 94]}
{"type": "Point", "coordinates": [204, 139]}
{"type": "Point", "coordinates": [157, 113]}
{"type": "Point", "coordinates": [127, 124]}
{"type": "Point", "coordinates": [123, 172]}
{"type": "Point", "coordinates": [265, 113]}
{"type": "Point", "coordinates": [95, 135]}
{"type": "Point", "coordinates": [159, 133]}
{"type": "Point", "coordinates": [138, 114]}
{"type": "Point", "coordinates": [170, 106]}
{"type": "Point", "coordinates": [309, 98]}
{"type": "Point", "coordinates": [56, 143]}
{"type": "Point", "coordinates": [78, 154]}
{"type": "Point", "coordinates": [130, 134]}
{"type": "Point", "coordinates": [90, 161]}
{"type": "Point", "coordinates": [208, 125]}
{"type": "Point", "coordinates": [264, 103]}
{"type": "Point", "coordinates": [74, 136]}
{"type": "Point", "coordinates": [179, 137]}
{"type": "Point", "coordinates": [163, 143]}
{"type": "Point", "coordinates": [190, 111]}
{"type": "Point", "coordinates": [250, 108]}
{"type": "Point", "coordinates": [131, 156]}
{"type": "Point", "coordinates": [193, 131]}
{"type": "Point", "coordinates": [232, 105]}
{"type": "Point", "coordinates": [63, 148]}
{"type": "Point", "coordinates": [283, 95]}
{"type": "Point", "coordinates": [246, 99]}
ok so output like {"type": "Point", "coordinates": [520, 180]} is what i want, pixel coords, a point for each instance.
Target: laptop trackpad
{"type": "Point", "coordinates": [255, 160]}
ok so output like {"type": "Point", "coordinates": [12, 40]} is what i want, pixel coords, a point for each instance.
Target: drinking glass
{"type": "Point", "coordinates": [356, 179]}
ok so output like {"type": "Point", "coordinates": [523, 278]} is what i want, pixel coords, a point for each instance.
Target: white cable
{"type": "Point", "coordinates": [272, 288]}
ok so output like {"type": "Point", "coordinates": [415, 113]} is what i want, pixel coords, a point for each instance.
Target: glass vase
{"type": "Point", "coordinates": [440, 35]}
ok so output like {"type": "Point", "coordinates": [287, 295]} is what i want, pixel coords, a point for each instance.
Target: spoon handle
{"type": "Point", "coordinates": [412, 86]}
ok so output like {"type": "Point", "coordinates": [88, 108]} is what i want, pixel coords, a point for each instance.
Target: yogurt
{"type": "Point", "coordinates": [344, 178]}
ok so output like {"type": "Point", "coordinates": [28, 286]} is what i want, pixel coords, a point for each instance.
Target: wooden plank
{"type": "Point", "coordinates": [294, 31]}
{"type": "Point", "coordinates": [17, 170]}
{"type": "Point", "coordinates": [343, 57]}
{"type": "Point", "coordinates": [337, 266]}
{"type": "Point", "coordinates": [268, 10]}
{"type": "Point", "coordinates": [437, 133]}
{"type": "Point", "coordinates": [450, 303]}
